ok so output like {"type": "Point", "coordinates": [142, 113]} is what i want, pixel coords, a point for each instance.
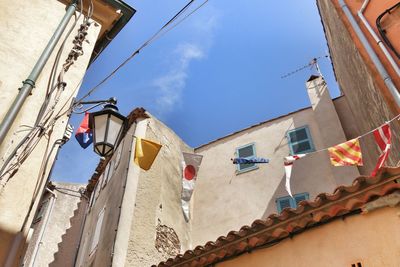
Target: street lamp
{"type": "Point", "coordinates": [107, 125]}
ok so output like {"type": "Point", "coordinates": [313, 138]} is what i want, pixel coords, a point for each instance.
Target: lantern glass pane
{"type": "Point", "coordinates": [100, 125]}
{"type": "Point", "coordinates": [107, 149]}
{"type": "Point", "coordinates": [98, 149]}
{"type": "Point", "coordinates": [114, 129]}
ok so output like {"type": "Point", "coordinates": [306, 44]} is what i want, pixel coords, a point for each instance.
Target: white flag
{"type": "Point", "coordinates": [288, 162]}
{"type": "Point", "coordinates": [190, 167]}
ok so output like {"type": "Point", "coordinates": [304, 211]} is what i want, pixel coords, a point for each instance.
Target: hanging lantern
{"type": "Point", "coordinates": [107, 125]}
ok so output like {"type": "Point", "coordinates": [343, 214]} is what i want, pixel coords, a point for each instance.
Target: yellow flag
{"type": "Point", "coordinates": [346, 154]}
{"type": "Point", "coordinates": [145, 153]}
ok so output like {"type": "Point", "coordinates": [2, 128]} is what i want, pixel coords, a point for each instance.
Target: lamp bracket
{"type": "Point", "coordinates": [95, 103]}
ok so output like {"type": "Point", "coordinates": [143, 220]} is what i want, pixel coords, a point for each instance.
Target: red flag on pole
{"type": "Point", "coordinates": [383, 139]}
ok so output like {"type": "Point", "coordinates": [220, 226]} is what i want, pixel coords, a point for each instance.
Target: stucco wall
{"type": "Point", "coordinates": [224, 200]}
{"type": "Point", "coordinates": [368, 97]}
{"type": "Point", "coordinates": [62, 234]}
{"type": "Point", "coordinates": [372, 239]}
{"type": "Point", "coordinates": [108, 196]}
{"type": "Point", "coordinates": [158, 202]}
{"type": "Point", "coordinates": [25, 29]}
{"type": "Point", "coordinates": [140, 206]}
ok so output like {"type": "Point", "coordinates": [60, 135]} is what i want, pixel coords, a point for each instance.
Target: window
{"type": "Point", "coordinates": [41, 210]}
{"type": "Point", "coordinates": [247, 151]}
{"type": "Point", "coordinates": [110, 172]}
{"type": "Point", "coordinates": [97, 231]}
{"type": "Point", "coordinates": [119, 153]}
{"type": "Point", "coordinates": [300, 140]}
{"type": "Point", "coordinates": [289, 202]}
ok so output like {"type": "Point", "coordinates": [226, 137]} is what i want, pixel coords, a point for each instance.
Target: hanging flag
{"type": "Point", "coordinates": [190, 167]}
{"type": "Point", "coordinates": [249, 160]}
{"type": "Point", "coordinates": [346, 154]}
{"type": "Point", "coordinates": [288, 162]}
{"type": "Point", "coordinates": [145, 153]}
{"type": "Point", "coordinates": [84, 134]}
{"type": "Point", "coordinates": [383, 139]}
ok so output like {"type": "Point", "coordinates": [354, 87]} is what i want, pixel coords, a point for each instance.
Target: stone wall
{"type": "Point", "coordinates": [359, 83]}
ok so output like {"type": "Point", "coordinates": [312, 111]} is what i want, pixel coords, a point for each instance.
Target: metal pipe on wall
{"type": "Point", "coordinates": [378, 64]}
{"type": "Point", "coordinates": [29, 83]}
{"type": "Point", "coordinates": [376, 38]}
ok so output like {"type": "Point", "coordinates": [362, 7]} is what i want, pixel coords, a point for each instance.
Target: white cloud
{"type": "Point", "coordinates": [171, 85]}
{"type": "Point", "coordinates": [201, 31]}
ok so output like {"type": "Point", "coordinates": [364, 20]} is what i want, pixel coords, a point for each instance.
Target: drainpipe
{"type": "Point", "coordinates": [376, 38]}
{"type": "Point", "coordinates": [378, 64]}
{"type": "Point", "coordinates": [29, 83]}
{"type": "Point", "coordinates": [46, 219]}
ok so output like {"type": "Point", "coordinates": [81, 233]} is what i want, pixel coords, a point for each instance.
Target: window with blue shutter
{"type": "Point", "coordinates": [247, 151]}
{"type": "Point", "coordinates": [300, 140]}
{"type": "Point", "coordinates": [289, 202]}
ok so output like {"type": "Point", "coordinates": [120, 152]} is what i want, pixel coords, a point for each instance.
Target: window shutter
{"type": "Point", "coordinates": [247, 151]}
{"type": "Point", "coordinates": [284, 203]}
{"type": "Point", "coordinates": [97, 231]}
{"type": "Point", "coordinates": [287, 201]}
{"type": "Point", "coordinates": [300, 141]}
{"type": "Point", "coordinates": [300, 197]}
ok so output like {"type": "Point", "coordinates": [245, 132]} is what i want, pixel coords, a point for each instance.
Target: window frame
{"type": "Point", "coordinates": [97, 232]}
{"type": "Point", "coordinates": [309, 139]}
{"type": "Point", "coordinates": [254, 167]}
{"type": "Point", "coordinates": [119, 154]}
{"type": "Point", "coordinates": [292, 200]}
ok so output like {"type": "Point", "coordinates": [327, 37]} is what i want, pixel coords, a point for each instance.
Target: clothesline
{"type": "Point", "coordinates": [361, 136]}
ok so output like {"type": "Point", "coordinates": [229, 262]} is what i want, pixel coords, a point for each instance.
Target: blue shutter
{"type": "Point", "coordinates": [247, 151]}
{"type": "Point", "coordinates": [283, 202]}
{"type": "Point", "coordinates": [300, 141]}
{"type": "Point", "coordinates": [287, 201]}
{"type": "Point", "coordinates": [300, 197]}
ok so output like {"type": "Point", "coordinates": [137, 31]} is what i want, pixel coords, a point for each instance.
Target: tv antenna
{"type": "Point", "coordinates": [312, 64]}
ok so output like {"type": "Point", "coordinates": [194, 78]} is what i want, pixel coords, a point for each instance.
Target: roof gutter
{"type": "Point", "coordinates": [378, 64]}
{"type": "Point", "coordinates": [376, 38]}
{"type": "Point", "coordinates": [126, 14]}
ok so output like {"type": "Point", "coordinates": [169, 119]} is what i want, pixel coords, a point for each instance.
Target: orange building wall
{"type": "Point", "coordinates": [391, 23]}
{"type": "Point", "coordinates": [372, 239]}
{"type": "Point", "coordinates": [368, 97]}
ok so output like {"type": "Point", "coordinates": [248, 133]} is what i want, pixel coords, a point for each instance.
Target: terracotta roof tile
{"type": "Point", "coordinates": [343, 200]}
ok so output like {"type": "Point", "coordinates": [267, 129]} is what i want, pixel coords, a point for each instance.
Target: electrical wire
{"type": "Point", "coordinates": [154, 37]}
{"type": "Point", "coordinates": [38, 129]}
{"type": "Point", "coordinates": [397, 117]}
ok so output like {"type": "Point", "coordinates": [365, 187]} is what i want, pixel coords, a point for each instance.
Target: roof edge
{"type": "Point", "coordinates": [127, 12]}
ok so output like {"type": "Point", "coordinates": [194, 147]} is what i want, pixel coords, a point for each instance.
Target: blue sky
{"type": "Point", "coordinates": [216, 73]}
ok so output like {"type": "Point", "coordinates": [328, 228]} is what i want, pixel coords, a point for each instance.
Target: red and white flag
{"type": "Point", "coordinates": [288, 162]}
{"type": "Point", "coordinates": [190, 167]}
{"type": "Point", "coordinates": [383, 139]}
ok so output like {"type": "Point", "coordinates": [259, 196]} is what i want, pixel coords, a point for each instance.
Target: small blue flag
{"type": "Point", "coordinates": [249, 160]}
{"type": "Point", "coordinates": [84, 134]}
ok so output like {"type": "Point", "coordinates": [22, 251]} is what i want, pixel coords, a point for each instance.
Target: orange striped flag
{"type": "Point", "coordinates": [346, 154]}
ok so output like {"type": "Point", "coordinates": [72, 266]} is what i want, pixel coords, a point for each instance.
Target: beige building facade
{"type": "Point", "coordinates": [30, 145]}
{"type": "Point", "coordinates": [227, 198]}
{"type": "Point", "coordinates": [57, 226]}
{"type": "Point", "coordinates": [135, 217]}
